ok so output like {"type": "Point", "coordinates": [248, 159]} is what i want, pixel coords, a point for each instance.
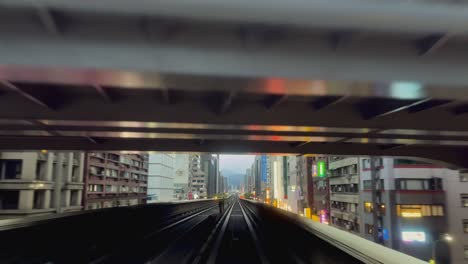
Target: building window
{"type": "Point", "coordinates": [463, 177]}
{"type": "Point", "coordinates": [10, 169]}
{"type": "Point", "coordinates": [369, 208]}
{"type": "Point", "coordinates": [369, 229]}
{"type": "Point", "coordinates": [367, 184]}
{"type": "Point", "coordinates": [38, 200]}
{"type": "Point", "coordinates": [434, 184]}
{"type": "Point", "coordinates": [9, 199]}
{"type": "Point", "coordinates": [464, 199]}
{"type": "Point", "coordinates": [416, 211]}
{"type": "Point", "coordinates": [465, 225]}
{"type": "Point", "coordinates": [397, 162]}
{"type": "Point", "coordinates": [95, 188]}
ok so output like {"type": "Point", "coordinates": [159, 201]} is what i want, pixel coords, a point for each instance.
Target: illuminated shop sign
{"type": "Point", "coordinates": [413, 236]}
{"type": "Point", "coordinates": [321, 170]}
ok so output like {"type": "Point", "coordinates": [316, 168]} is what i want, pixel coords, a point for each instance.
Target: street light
{"type": "Point", "coordinates": [445, 237]}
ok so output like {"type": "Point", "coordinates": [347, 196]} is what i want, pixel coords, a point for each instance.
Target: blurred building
{"type": "Point", "coordinates": [161, 175]}
{"type": "Point", "coordinates": [320, 205]}
{"type": "Point", "coordinates": [457, 210]}
{"type": "Point", "coordinates": [197, 181]}
{"type": "Point", "coordinates": [40, 182]}
{"type": "Point", "coordinates": [305, 184]}
{"type": "Point", "coordinates": [181, 177]}
{"type": "Point", "coordinates": [115, 179]}
{"type": "Point", "coordinates": [293, 191]}
{"type": "Point", "coordinates": [411, 210]}
{"type": "Point", "coordinates": [344, 193]}
{"type": "Point", "coordinates": [209, 165]}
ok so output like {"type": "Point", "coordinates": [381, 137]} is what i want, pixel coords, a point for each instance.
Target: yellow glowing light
{"type": "Point", "coordinates": [44, 151]}
{"type": "Point", "coordinates": [411, 214]}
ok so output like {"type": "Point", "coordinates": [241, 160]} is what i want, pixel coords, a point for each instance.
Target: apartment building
{"type": "Point", "coordinates": [197, 181]}
{"type": "Point", "coordinates": [40, 182]}
{"type": "Point", "coordinates": [344, 193]}
{"type": "Point", "coordinates": [115, 179]}
{"type": "Point", "coordinates": [161, 176]}
{"type": "Point", "coordinates": [457, 211]}
{"type": "Point", "coordinates": [412, 206]}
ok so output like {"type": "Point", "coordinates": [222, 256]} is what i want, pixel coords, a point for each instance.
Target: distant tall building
{"type": "Point", "coordinates": [293, 189]}
{"type": "Point", "coordinates": [161, 176]}
{"type": "Point", "coordinates": [181, 177]}
{"type": "Point", "coordinates": [320, 205]}
{"type": "Point", "coordinates": [115, 179]}
{"type": "Point", "coordinates": [209, 167]}
{"type": "Point", "coordinates": [197, 181]}
{"type": "Point", "coordinates": [40, 182]}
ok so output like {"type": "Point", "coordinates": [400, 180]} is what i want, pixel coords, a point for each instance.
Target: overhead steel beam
{"type": "Point", "coordinates": [430, 44]}
{"type": "Point", "coordinates": [221, 57]}
{"type": "Point", "coordinates": [417, 16]}
{"type": "Point", "coordinates": [248, 113]}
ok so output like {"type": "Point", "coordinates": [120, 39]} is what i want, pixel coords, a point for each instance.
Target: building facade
{"type": "Point", "coordinates": [161, 175]}
{"type": "Point", "coordinates": [115, 179]}
{"type": "Point", "coordinates": [197, 181]}
{"type": "Point", "coordinates": [344, 193]}
{"type": "Point", "coordinates": [209, 166]}
{"type": "Point", "coordinates": [181, 177]}
{"type": "Point", "coordinates": [320, 208]}
{"type": "Point", "coordinates": [40, 182]}
{"type": "Point", "coordinates": [457, 210]}
{"type": "Point", "coordinates": [412, 208]}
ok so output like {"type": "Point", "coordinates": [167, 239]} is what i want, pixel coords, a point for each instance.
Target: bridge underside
{"type": "Point", "coordinates": [143, 80]}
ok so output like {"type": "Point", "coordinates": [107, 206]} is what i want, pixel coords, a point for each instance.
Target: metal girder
{"type": "Point", "coordinates": [417, 16]}
{"type": "Point", "coordinates": [430, 44]}
{"type": "Point", "coordinates": [140, 106]}
{"type": "Point", "coordinates": [222, 55]}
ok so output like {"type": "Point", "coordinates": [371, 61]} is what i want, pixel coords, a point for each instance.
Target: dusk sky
{"type": "Point", "coordinates": [236, 163]}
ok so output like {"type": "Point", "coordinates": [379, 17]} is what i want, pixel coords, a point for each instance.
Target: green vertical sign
{"type": "Point", "coordinates": [321, 168]}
